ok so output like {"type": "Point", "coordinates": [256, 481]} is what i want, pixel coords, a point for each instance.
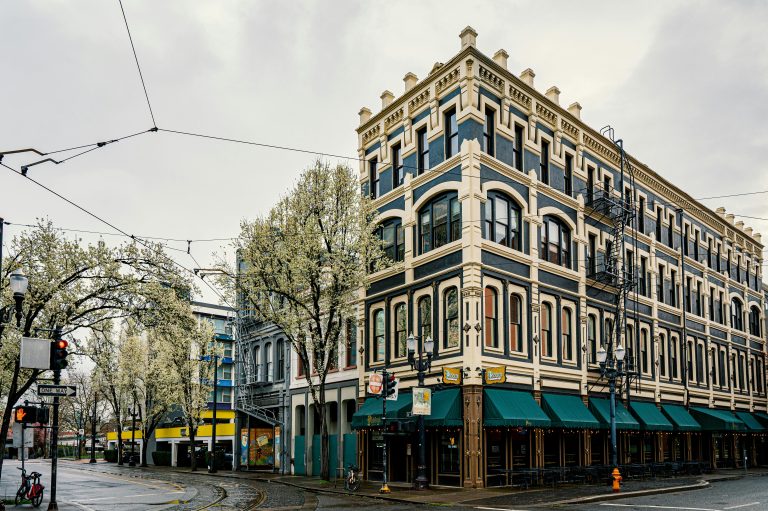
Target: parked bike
{"type": "Point", "coordinates": [30, 488]}
{"type": "Point", "coordinates": [352, 481]}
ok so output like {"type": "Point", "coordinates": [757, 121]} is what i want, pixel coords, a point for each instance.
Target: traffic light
{"type": "Point", "coordinates": [390, 388]}
{"type": "Point", "coordinates": [59, 354]}
{"type": "Point", "coordinates": [43, 415]}
{"type": "Point", "coordinates": [25, 414]}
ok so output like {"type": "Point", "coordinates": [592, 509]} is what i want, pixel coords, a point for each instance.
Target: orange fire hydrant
{"type": "Point", "coordinates": [616, 480]}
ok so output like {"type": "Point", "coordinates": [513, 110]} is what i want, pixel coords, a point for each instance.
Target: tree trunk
{"type": "Point", "coordinates": [324, 440]}
{"type": "Point", "coordinates": [193, 458]}
{"type": "Point", "coordinates": [119, 443]}
{"type": "Point", "coordinates": [144, 450]}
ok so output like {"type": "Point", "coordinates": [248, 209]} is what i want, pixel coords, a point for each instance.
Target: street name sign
{"type": "Point", "coordinates": [57, 390]}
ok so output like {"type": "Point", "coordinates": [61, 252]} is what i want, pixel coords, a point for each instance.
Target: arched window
{"type": "Point", "coordinates": [451, 308]}
{"type": "Point", "coordinates": [515, 323]}
{"type": "Point", "coordinates": [737, 316]}
{"type": "Point", "coordinates": [566, 329]}
{"type": "Point", "coordinates": [754, 320]}
{"type": "Point", "coordinates": [592, 337]}
{"type": "Point", "coordinates": [439, 222]}
{"type": "Point", "coordinates": [425, 317]}
{"type": "Point", "coordinates": [491, 318]}
{"type": "Point", "coordinates": [268, 362]}
{"type": "Point", "coordinates": [555, 242]}
{"type": "Point", "coordinates": [400, 331]}
{"type": "Point", "coordinates": [608, 331]}
{"type": "Point", "coordinates": [392, 239]}
{"type": "Point", "coordinates": [378, 336]}
{"type": "Point", "coordinates": [257, 363]}
{"type": "Point", "coordinates": [546, 330]}
{"type": "Point", "coordinates": [502, 220]}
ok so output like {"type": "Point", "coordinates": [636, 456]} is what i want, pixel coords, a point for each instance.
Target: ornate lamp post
{"type": "Point", "coordinates": [134, 412]}
{"type": "Point", "coordinates": [19, 285]}
{"type": "Point", "coordinates": [421, 366]}
{"type": "Point", "coordinates": [611, 369]}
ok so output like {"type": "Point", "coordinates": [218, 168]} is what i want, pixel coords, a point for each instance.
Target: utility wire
{"type": "Point", "coordinates": [138, 66]}
{"type": "Point", "coordinates": [121, 231]}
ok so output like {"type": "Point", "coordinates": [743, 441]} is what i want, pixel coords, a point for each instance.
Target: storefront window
{"type": "Point", "coordinates": [449, 459]}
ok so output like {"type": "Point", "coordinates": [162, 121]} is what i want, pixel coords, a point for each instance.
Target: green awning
{"type": "Point", "coordinates": [602, 410]}
{"type": "Point", "coordinates": [511, 408]}
{"type": "Point", "coordinates": [762, 417]}
{"type": "Point", "coordinates": [651, 418]}
{"type": "Point", "coordinates": [712, 419]}
{"type": "Point", "coordinates": [369, 415]}
{"type": "Point", "coordinates": [568, 411]}
{"type": "Point", "coordinates": [680, 417]}
{"type": "Point", "coordinates": [752, 423]}
{"type": "Point", "coordinates": [446, 409]}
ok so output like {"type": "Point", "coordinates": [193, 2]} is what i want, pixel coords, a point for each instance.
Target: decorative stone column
{"type": "Point", "coordinates": [473, 424]}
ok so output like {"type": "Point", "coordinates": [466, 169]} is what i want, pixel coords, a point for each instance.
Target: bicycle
{"type": "Point", "coordinates": [352, 481]}
{"type": "Point", "coordinates": [30, 488]}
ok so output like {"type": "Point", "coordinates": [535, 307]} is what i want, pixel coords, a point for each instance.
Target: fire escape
{"type": "Point", "coordinates": [615, 272]}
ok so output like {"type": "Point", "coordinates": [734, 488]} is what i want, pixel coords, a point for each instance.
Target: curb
{"type": "Point", "coordinates": [626, 495]}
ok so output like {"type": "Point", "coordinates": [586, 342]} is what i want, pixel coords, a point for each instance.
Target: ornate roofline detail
{"type": "Point", "coordinates": [546, 114]}
{"type": "Point", "coordinates": [371, 134]}
{"type": "Point", "coordinates": [519, 96]}
{"type": "Point", "coordinates": [569, 128]}
{"type": "Point", "coordinates": [446, 81]}
{"type": "Point", "coordinates": [601, 149]}
{"type": "Point", "coordinates": [421, 99]}
{"type": "Point", "coordinates": [393, 118]}
{"type": "Point", "coordinates": [491, 79]}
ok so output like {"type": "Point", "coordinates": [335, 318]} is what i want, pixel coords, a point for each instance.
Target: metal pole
{"type": "Point", "coordinates": [93, 429]}
{"type": "Point", "coordinates": [421, 469]}
{"type": "Point", "coordinates": [384, 488]}
{"type": "Point", "coordinates": [23, 428]}
{"type": "Point", "coordinates": [52, 505]}
{"type": "Point", "coordinates": [2, 225]}
{"type": "Point", "coordinates": [212, 461]}
{"type": "Point", "coordinates": [612, 386]}
{"type": "Point", "coordinates": [132, 462]}
{"type": "Point", "coordinates": [684, 340]}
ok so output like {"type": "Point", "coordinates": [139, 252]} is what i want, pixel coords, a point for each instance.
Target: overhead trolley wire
{"type": "Point", "coordinates": [138, 66]}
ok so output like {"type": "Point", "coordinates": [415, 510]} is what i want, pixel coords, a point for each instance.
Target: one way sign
{"type": "Point", "coordinates": [57, 390]}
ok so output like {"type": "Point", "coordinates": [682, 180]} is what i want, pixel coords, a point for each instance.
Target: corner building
{"type": "Point", "coordinates": [488, 193]}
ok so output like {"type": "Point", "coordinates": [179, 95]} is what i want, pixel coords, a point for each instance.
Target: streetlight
{"type": "Point", "coordinates": [19, 285]}
{"type": "Point", "coordinates": [611, 368]}
{"type": "Point", "coordinates": [421, 366]}
{"type": "Point", "coordinates": [212, 454]}
{"type": "Point", "coordinates": [93, 428]}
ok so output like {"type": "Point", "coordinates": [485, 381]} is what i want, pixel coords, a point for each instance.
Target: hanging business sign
{"type": "Point", "coordinates": [495, 375]}
{"type": "Point", "coordinates": [452, 375]}
{"type": "Point", "coordinates": [375, 384]}
{"type": "Point", "coordinates": [422, 401]}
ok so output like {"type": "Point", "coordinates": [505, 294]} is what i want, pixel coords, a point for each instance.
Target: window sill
{"type": "Point", "coordinates": [436, 253]}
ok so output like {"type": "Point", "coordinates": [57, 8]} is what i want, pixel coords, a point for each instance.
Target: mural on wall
{"type": "Point", "coordinates": [244, 446]}
{"type": "Point", "coordinates": [262, 448]}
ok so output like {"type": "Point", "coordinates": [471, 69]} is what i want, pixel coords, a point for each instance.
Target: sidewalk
{"type": "Point", "coordinates": [490, 497]}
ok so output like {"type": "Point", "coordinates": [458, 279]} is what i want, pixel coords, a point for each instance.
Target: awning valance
{"type": "Point", "coordinates": [650, 417]}
{"type": "Point", "coordinates": [446, 409]}
{"type": "Point", "coordinates": [369, 415]}
{"type": "Point", "coordinates": [602, 410]}
{"type": "Point", "coordinates": [511, 408]}
{"type": "Point", "coordinates": [712, 419]}
{"type": "Point", "coordinates": [682, 420]}
{"type": "Point", "coordinates": [567, 411]}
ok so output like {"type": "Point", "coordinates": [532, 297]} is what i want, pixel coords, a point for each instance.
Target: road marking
{"type": "Point", "coordinates": [743, 505]}
{"type": "Point", "coordinates": [649, 506]}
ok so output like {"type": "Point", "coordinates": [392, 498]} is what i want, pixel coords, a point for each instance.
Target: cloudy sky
{"type": "Point", "coordinates": [684, 83]}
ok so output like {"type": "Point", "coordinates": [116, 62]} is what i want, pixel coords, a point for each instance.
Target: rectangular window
{"type": "Point", "coordinates": [591, 251]}
{"type": "Point", "coordinates": [644, 284]}
{"type": "Point", "coordinates": [606, 186]}
{"type": "Point", "coordinates": [641, 215]}
{"type": "Point", "coordinates": [398, 173]}
{"type": "Point", "coordinates": [518, 150]}
{"type": "Point", "coordinates": [674, 352]}
{"type": "Point", "coordinates": [728, 262]}
{"type": "Point", "coordinates": [590, 184]}
{"type": "Point", "coordinates": [719, 257]}
{"type": "Point", "coordinates": [280, 360]}
{"type": "Point", "coordinates": [451, 134]}
{"type": "Point", "coordinates": [662, 355]}
{"type": "Point", "coordinates": [698, 299]}
{"type": "Point", "coordinates": [720, 305]}
{"type": "Point", "coordinates": [700, 376]}
{"type": "Point", "coordinates": [373, 173]}
{"type": "Point", "coordinates": [660, 285]}
{"type": "Point", "coordinates": [709, 253]}
{"type": "Point", "coordinates": [568, 175]}
{"type": "Point", "coordinates": [351, 337]}
{"type": "Point", "coordinates": [712, 305]}
{"type": "Point", "coordinates": [738, 268]}
{"type": "Point", "coordinates": [673, 288]}
{"type": "Point", "coordinates": [658, 224]}
{"type": "Point", "coordinates": [299, 366]}
{"type": "Point", "coordinates": [421, 138]}
{"type": "Point", "coordinates": [688, 294]}
{"type": "Point", "coordinates": [696, 245]}
{"type": "Point", "coordinates": [489, 131]}
{"type": "Point", "coordinates": [671, 232]}
{"type": "Point", "coordinates": [544, 162]}
{"type": "Point", "coordinates": [684, 241]}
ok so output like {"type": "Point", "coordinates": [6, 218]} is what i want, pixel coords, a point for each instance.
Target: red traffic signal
{"type": "Point", "coordinates": [59, 354]}
{"type": "Point", "coordinates": [25, 414]}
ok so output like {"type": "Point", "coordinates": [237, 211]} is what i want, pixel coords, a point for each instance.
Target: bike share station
{"type": "Point", "coordinates": [41, 354]}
